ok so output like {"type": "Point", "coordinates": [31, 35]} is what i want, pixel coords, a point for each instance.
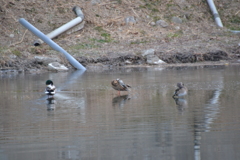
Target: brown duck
{"type": "Point", "coordinates": [119, 85]}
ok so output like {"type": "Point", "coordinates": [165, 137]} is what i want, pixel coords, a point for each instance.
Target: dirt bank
{"type": "Point", "coordinates": [20, 65]}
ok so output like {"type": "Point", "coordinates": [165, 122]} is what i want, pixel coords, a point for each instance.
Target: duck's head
{"type": "Point", "coordinates": [180, 85]}
{"type": "Point", "coordinates": [48, 82]}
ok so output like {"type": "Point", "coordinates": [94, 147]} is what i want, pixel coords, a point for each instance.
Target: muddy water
{"type": "Point", "coordinates": [87, 119]}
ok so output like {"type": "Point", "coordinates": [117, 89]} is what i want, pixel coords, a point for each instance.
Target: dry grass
{"type": "Point", "coordinates": [105, 26]}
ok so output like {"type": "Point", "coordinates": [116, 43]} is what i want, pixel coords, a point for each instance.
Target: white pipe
{"type": "Point", "coordinates": [52, 44]}
{"type": "Point", "coordinates": [235, 31]}
{"type": "Point", "coordinates": [77, 10]}
{"type": "Point", "coordinates": [64, 27]}
{"type": "Point", "coordinates": [215, 13]}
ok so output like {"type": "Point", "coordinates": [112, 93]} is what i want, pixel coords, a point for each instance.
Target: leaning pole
{"type": "Point", "coordinates": [51, 43]}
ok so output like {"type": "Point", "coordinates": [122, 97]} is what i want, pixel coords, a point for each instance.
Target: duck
{"type": "Point", "coordinates": [180, 91]}
{"type": "Point", "coordinates": [119, 85]}
{"type": "Point", "coordinates": [50, 89]}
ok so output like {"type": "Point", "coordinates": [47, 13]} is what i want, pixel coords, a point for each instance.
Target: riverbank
{"type": "Point", "coordinates": [39, 64]}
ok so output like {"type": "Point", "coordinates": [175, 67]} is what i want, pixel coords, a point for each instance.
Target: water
{"type": "Point", "coordinates": [88, 120]}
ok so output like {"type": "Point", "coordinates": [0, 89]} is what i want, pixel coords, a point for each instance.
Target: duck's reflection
{"type": "Point", "coordinates": [120, 100]}
{"type": "Point", "coordinates": [69, 152]}
{"type": "Point", "coordinates": [51, 104]}
{"type": "Point", "coordinates": [181, 103]}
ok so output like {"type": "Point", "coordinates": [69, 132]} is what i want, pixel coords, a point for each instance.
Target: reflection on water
{"type": "Point", "coordinates": [51, 104]}
{"type": "Point", "coordinates": [86, 119]}
{"type": "Point", "coordinates": [120, 101]}
{"type": "Point", "coordinates": [181, 103]}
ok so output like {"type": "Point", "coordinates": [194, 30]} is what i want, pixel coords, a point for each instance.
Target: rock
{"type": "Point", "coordinates": [177, 27]}
{"type": "Point", "coordinates": [183, 4]}
{"type": "Point", "coordinates": [147, 52]}
{"type": "Point", "coordinates": [55, 66]}
{"type": "Point", "coordinates": [45, 60]}
{"type": "Point", "coordinates": [26, 54]}
{"type": "Point", "coordinates": [154, 60]}
{"type": "Point", "coordinates": [130, 20]}
{"type": "Point", "coordinates": [128, 62]}
{"type": "Point", "coordinates": [94, 2]}
{"type": "Point", "coordinates": [151, 57]}
{"type": "Point", "coordinates": [162, 23]}
{"type": "Point", "coordinates": [176, 20]}
{"type": "Point", "coordinates": [12, 56]}
{"type": "Point", "coordinates": [11, 35]}
{"type": "Point", "coordinates": [153, 23]}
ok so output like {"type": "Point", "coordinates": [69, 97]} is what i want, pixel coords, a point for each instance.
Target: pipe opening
{"type": "Point", "coordinates": [37, 42]}
{"type": "Point", "coordinates": [64, 27]}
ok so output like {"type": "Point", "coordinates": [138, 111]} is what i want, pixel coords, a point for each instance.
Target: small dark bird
{"type": "Point", "coordinates": [119, 85]}
{"type": "Point", "coordinates": [50, 89]}
{"type": "Point", "coordinates": [181, 91]}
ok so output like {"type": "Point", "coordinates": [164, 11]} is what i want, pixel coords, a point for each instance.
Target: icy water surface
{"type": "Point", "coordinates": [88, 120]}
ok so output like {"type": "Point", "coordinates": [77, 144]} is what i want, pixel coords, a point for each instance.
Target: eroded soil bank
{"type": "Point", "coordinates": [35, 65]}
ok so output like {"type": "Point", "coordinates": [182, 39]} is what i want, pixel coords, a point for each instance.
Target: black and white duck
{"type": "Point", "coordinates": [50, 89]}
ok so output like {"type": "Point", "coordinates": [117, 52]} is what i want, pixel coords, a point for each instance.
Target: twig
{"type": "Point", "coordinates": [14, 18]}
{"type": "Point", "coordinates": [21, 39]}
{"type": "Point", "coordinates": [107, 3]}
{"type": "Point", "coordinates": [237, 12]}
{"type": "Point", "coordinates": [11, 15]}
{"type": "Point", "coordinates": [6, 30]}
{"type": "Point", "coordinates": [135, 12]}
{"type": "Point", "coordinates": [149, 22]}
{"type": "Point", "coordinates": [170, 50]}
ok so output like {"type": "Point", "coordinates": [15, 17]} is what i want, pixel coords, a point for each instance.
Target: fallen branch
{"type": "Point", "coordinates": [19, 41]}
{"type": "Point", "coordinates": [135, 12]}
{"type": "Point", "coordinates": [103, 4]}
{"type": "Point", "coordinates": [237, 12]}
